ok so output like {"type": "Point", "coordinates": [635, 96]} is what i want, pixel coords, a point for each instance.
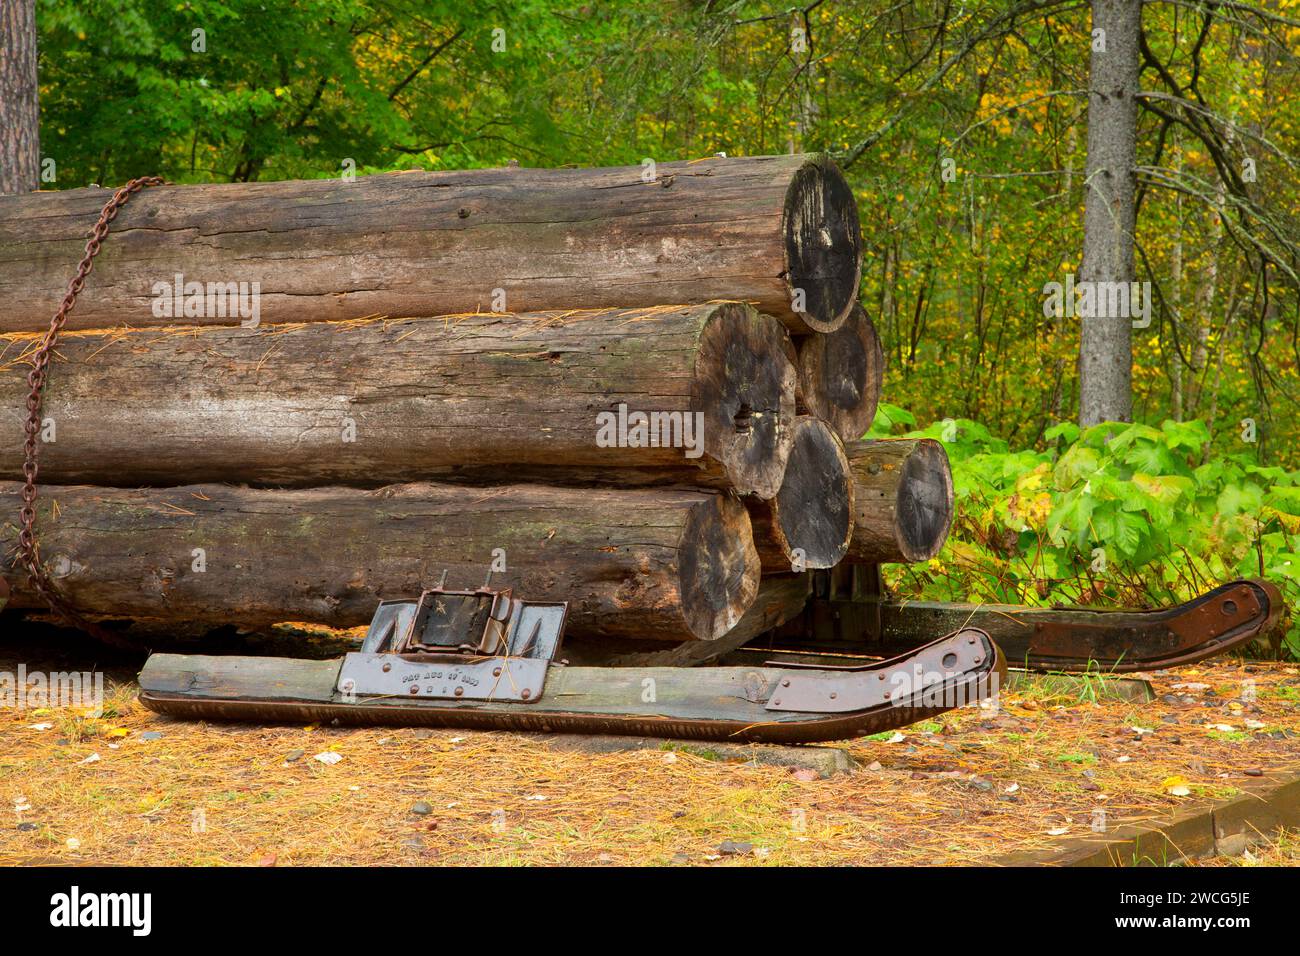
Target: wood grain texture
{"type": "Point", "coordinates": [375, 403]}
{"type": "Point", "coordinates": [840, 374]}
{"type": "Point", "coordinates": [719, 693]}
{"type": "Point", "coordinates": [807, 524]}
{"type": "Point", "coordinates": [903, 502]}
{"type": "Point", "coordinates": [781, 598]}
{"type": "Point", "coordinates": [418, 243]}
{"type": "Point", "coordinates": [653, 564]}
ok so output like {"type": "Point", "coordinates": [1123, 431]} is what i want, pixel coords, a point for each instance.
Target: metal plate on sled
{"type": "Point", "coordinates": [442, 677]}
{"type": "Point", "coordinates": [390, 623]}
{"type": "Point", "coordinates": [538, 630]}
{"type": "Point", "coordinates": [826, 690]}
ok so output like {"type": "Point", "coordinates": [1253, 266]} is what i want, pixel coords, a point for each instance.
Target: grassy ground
{"type": "Point", "coordinates": [964, 789]}
{"type": "Point", "coordinates": [1281, 849]}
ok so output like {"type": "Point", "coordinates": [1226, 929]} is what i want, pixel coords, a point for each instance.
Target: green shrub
{"type": "Point", "coordinates": [1117, 515]}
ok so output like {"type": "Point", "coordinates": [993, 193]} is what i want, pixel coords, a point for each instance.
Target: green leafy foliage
{"type": "Point", "coordinates": [1115, 515]}
{"type": "Point", "coordinates": [968, 184]}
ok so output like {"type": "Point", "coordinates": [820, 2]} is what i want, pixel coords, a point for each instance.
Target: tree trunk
{"type": "Point", "coordinates": [840, 374]}
{"type": "Point", "coordinates": [658, 564]}
{"type": "Point", "coordinates": [20, 113]}
{"type": "Point", "coordinates": [780, 232]}
{"type": "Point", "coordinates": [1106, 341]}
{"type": "Point", "coordinates": [902, 500]}
{"type": "Point", "coordinates": [382, 402]}
{"type": "Point", "coordinates": [807, 525]}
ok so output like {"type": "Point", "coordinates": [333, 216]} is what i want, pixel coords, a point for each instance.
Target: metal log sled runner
{"type": "Point", "coordinates": [855, 614]}
{"type": "Point", "coordinates": [485, 660]}
{"type": "Point", "coordinates": [726, 588]}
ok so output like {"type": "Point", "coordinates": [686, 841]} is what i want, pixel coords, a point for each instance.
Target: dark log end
{"type": "Point", "coordinates": [925, 501]}
{"type": "Point", "coordinates": [823, 244]}
{"type": "Point", "coordinates": [719, 570]}
{"type": "Point", "coordinates": [813, 512]}
{"type": "Point", "coordinates": [745, 385]}
{"type": "Point", "coordinates": [903, 501]}
{"type": "Point", "coordinates": [840, 374]}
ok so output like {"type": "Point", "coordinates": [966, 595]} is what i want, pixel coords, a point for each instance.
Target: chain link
{"type": "Point", "coordinates": [28, 552]}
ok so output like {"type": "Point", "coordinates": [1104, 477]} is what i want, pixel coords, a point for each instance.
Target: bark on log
{"type": "Point", "coordinates": [781, 598]}
{"type": "Point", "coordinates": [778, 231]}
{"type": "Point", "coordinates": [903, 500]}
{"type": "Point", "coordinates": [808, 523]}
{"type": "Point", "coordinates": [655, 564]}
{"type": "Point", "coordinates": [384, 402]}
{"type": "Point", "coordinates": [840, 374]}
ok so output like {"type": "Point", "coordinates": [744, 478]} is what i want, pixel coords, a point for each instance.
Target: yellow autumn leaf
{"type": "Point", "coordinates": [1290, 522]}
{"type": "Point", "coordinates": [1031, 480]}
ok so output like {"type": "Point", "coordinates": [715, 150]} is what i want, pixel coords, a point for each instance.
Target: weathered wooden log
{"type": "Point", "coordinates": [382, 402]}
{"type": "Point", "coordinates": [781, 598]}
{"type": "Point", "coordinates": [657, 564]}
{"type": "Point", "coordinates": [902, 500]}
{"type": "Point", "coordinates": [808, 523]}
{"type": "Point", "coordinates": [779, 231]}
{"type": "Point", "coordinates": [840, 374]}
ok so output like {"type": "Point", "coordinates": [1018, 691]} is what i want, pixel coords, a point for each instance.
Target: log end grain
{"type": "Point", "coordinates": [925, 501]}
{"type": "Point", "coordinates": [823, 245]}
{"type": "Point", "coordinates": [903, 503]}
{"type": "Point", "coordinates": [809, 523]}
{"type": "Point", "coordinates": [719, 567]}
{"type": "Point", "coordinates": [745, 385]}
{"type": "Point", "coordinates": [840, 374]}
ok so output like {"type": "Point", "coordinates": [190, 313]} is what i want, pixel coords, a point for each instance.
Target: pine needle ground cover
{"type": "Point", "coordinates": [1054, 760]}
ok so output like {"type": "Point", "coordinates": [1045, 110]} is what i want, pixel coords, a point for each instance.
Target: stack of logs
{"type": "Point", "coordinates": [458, 371]}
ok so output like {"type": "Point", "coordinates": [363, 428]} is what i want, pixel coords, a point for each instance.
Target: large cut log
{"type": "Point", "coordinates": [781, 599]}
{"type": "Point", "coordinates": [902, 500]}
{"type": "Point", "coordinates": [780, 231]}
{"type": "Point", "coordinates": [657, 564]}
{"type": "Point", "coordinates": [375, 403]}
{"type": "Point", "coordinates": [808, 523]}
{"type": "Point", "coordinates": [840, 374]}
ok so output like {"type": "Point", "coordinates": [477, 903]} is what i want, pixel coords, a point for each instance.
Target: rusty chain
{"type": "Point", "coordinates": [28, 553]}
